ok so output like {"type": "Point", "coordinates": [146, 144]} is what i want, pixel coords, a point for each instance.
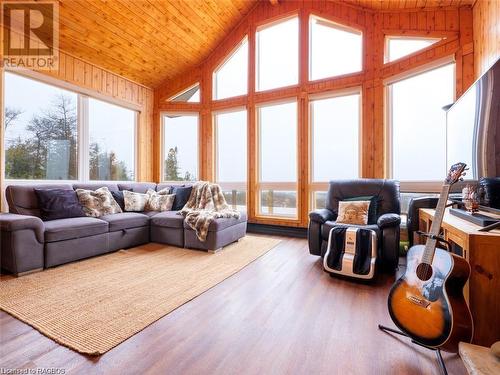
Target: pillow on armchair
{"type": "Point", "coordinates": [372, 209]}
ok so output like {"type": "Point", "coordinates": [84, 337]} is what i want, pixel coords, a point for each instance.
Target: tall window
{"type": "Point", "coordinates": [397, 47]}
{"type": "Point", "coordinates": [231, 78]}
{"type": "Point", "coordinates": [461, 132]}
{"type": "Point", "coordinates": [180, 147]}
{"type": "Point", "coordinates": [41, 136]}
{"type": "Point", "coordinates": [418, 124]}
{"type": "Point", "coordinates": [278, 55]}
{"type": "Point", "coordinates": [112, 142]}
{"type": "Point", "coordinates": [278, 159]}
{"type": "Point", "coordinates": [335, 129]}
{"type": "Point", "coordinates": [231, 156]}
{"type": "Point", "coordinates": [190, 95]}
{"type": "Point", "coordinates": [334, 50]}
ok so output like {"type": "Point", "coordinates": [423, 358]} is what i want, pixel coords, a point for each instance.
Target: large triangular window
{"type": "Point", "coordinates": [398, 47]}
{"type": "Point", "coordinates": [231, 77]}
{"type": "Point", "coordinates": [190, 95]}
{"type": "Point", "coordinates": [334, 49]}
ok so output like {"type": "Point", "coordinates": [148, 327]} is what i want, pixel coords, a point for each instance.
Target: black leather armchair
{"type": "Point", "coordinates": [321, 221]}
{"type": "Point", "coordinates": [412, 217]}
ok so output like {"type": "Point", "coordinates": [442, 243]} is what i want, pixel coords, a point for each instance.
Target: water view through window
{"type": "Point", "coordinates": [278, 159]}
{"type": "Point", "coordinates": [231, 156]}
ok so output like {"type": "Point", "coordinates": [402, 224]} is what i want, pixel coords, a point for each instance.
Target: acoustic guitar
{"type": "Point", "coordinates": [427, 302]}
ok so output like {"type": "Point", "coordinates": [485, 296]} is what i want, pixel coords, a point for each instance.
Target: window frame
{"type": "Point", "coordinates": [230, 185]}
{"type": "Point", "coordinates": [263, 26]}
{"type": "Point", "coordinates": [411, 186]}
{"type": "Point", "coordinates": [389, 37]}
{"type": "Point", "coordinates": [279, 186]}
{"type": "Point", "coordinates": [224, 62]}
{"type": "Point", "coordinates": [83, 134]}
{"type": "Point", "coordinates": [339, 26]}
{"type": "Point", "coordinates": [322, 186]}
{"type": "Point", "coordinates": [164, 114]}
{"type": "Point", "coordinates": [182, 92]}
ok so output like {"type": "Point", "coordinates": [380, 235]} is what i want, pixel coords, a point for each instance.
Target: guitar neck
{"type": "Point", "coordinates": [430, 245]}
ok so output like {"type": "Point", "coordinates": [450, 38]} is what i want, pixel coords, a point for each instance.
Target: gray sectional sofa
{"type": "Point", "coordinates": [27, 243]}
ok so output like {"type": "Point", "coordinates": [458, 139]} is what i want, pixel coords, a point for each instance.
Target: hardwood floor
{"type": "Point", "coordinates": [280, 315]}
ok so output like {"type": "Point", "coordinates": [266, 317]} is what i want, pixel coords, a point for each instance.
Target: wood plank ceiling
{"type": "Point", "coordinates": [147, 41]}
{"type": "Point", "coordinates": [408, 4]}
{"type": "Point", "coordinates": [152, 41]}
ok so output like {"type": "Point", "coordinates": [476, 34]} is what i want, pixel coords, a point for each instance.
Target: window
{"type": "Point", "coordinates": [231, 156]}
{"type": "Point", "coordinates": [278, 159]}
{"type": "Point", "coordinates": [41, 137]}
{"type": "Point", "coordinates": [112, 142]}
{"type": "Point", "coordinates": [418, 124]}
{"type": "Point", "coordinates": [42, 140]}
{"type": "Point", "coordinates": [230, 79]}
{"type": "Point", "coordinates": [461, 130]}
{"type": "Point", "coordinates": [180, 147]}
{"type": "Point", "coordinates": [278, 55]}
{"type": "Point", "coordinates": [335, 136]}
{"type": "Point", "coordinates": [190, 95]}
{"type": "Point", "coordinates": [319, 199]}
{"type": "Point", "coordinates": [334, 49]}
{"type": "Point", "coordinates": [398, 47]}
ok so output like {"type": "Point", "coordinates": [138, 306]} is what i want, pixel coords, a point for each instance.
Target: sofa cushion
{"type": "Point", "coordinates": [77, 227]}
{"type": "Point", "coordinates": [170, 186]}
{"type": "Point", "coordinates": [150, 213]}
{"type": "Point", "coordinates": [98, 203]}
{"type": "Point", "coordinates": [125, 220]}
{"type": "Point", "coordinates": [137, 187]}
{"type": "Point", "coordinates": [135, 202]}
{"type": "Point", "coordinates": [23, 200]}
{"type": "Point", "coordinates": [222, 223]}
{"type": "Point", "coordinates": [58, 204]}
{"type": "Point", "coordinates": [159, 200]}
{"type": "Point", "coordinates": [182, 194]}
{"type": "Point", "coordinates": [325, 228]}
{"type": "Point", "coordinates": [118, 197]}
{"type": "Point", "coordinates": [168, 219]}
{"type": "Point", "coordinates": [95, 186]}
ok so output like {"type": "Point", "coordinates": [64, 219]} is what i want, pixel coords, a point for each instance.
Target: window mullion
{"type": "Point", "coordinates": [83, 139]}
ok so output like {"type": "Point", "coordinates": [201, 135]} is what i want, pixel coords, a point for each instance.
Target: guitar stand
{"type": "Point", "coordinates": [439, 357]}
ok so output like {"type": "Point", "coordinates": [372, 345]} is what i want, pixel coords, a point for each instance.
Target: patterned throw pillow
{"type": "Point", "coordinates": [98, 203]}
{"type": "Point", "coordinates": [159, 201]}
{"type": "Point", "coordinates": [353, 212]}
{"type": "Point", "coordinates": [135, 202]}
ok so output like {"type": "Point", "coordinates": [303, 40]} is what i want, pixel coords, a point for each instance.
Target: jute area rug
{"type": "Point", "coordinates": [93, 305]}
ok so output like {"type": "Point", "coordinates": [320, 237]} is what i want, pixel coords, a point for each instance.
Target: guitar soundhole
{"type": "Point", "coordinates": [424, 271]}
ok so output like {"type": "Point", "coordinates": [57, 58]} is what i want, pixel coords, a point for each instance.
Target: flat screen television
{"type": "Point", "coordinates": [473, 128]}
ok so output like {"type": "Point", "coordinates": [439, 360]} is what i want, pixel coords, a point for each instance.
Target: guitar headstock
{"type": "Point", "coordinates": [456, 172]}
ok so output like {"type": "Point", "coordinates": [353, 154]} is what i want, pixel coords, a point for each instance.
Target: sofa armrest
{"type": "Point", "coordinates": [15, 222]}
{"type": "Point", "coordinates": [388, 221]}
{"type": "Point", "coordinates": [321, 215]}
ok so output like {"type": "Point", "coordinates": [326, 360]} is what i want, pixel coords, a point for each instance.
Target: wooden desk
{"type": "Point", "coordinates": [482, 251]}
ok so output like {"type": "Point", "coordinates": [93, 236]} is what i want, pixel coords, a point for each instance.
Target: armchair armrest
{"type": "Point", "coordinates": [321, 215]}
{"type": "Point", "coordinates": [388, 220]}
{"type": "Point", "coordinates": [15, 222]}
